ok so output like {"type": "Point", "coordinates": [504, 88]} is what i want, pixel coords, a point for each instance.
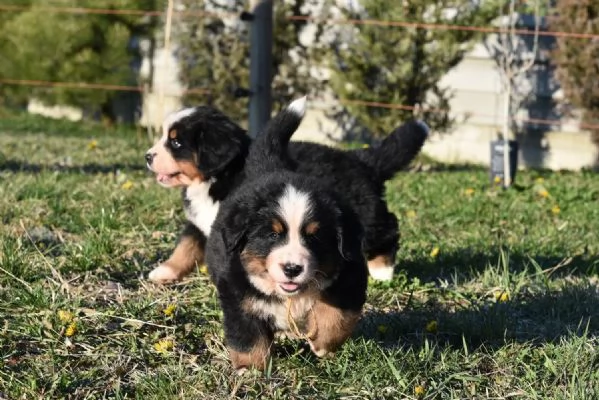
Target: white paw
{"type": "Point", "coordinates": [381, 273]}
{"type": "Point", "coordinates": [163, 273]}
{"type": "Point", "coordinates": [320, 352]}
{"type": "Point", "coordinates": [241, 371]}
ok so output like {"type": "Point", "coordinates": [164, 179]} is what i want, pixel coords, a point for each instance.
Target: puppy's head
{"type": "Point", "coordinates": [196, 145]}
{"type": "Point", "coordinates": [296, 241]}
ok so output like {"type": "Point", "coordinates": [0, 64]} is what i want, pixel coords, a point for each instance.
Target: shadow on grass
{"type": "Point", "coordinates": [91, 168]}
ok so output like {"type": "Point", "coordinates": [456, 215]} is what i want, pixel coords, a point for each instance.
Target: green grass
{"type": "Point", "coordinates": [75, 238]}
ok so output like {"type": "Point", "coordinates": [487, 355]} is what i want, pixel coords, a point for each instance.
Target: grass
{"type": "Point", "coordinates": [496, 295]}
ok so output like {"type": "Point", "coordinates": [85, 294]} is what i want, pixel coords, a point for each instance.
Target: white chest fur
{"type": "Point", "coordinates": [201, 209]}
{"type": "Point", "coordinates": [279, 313]}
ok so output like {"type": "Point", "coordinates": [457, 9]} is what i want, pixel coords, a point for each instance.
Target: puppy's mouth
{"type": "Point", "coordinates": [290, 287]}
{"type": "Point", "coordinates": [165, 179]}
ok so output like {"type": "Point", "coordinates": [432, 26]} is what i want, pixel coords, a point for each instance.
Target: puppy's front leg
{"type": "Point", "coordinates": [333, 327]}
{"type": "Point", "coordinates": [188, 252]}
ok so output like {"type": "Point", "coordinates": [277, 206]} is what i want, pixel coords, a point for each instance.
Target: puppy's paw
{"type": "Point", "coordinates": [381, 273]}
{"type": "Point", "coordinates": [321, 352]}
{"type": "Point", "coordinates": [163, 273]}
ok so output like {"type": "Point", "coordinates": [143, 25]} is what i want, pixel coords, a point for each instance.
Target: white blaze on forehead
{"type": "Point", "coordinates": [173, 117]}
{"type": "Point", "coordinates": [294, 207]}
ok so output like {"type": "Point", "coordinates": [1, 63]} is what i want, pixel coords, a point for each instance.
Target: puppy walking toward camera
{"type": "Point", "coordinates": [285, 254]}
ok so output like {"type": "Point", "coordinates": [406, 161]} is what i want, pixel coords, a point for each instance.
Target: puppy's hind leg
{"type": "Point", "coordinates": [188, 252]}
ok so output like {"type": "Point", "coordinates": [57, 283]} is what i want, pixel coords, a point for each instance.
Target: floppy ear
{"type": "Point", "coordinates": [349, 235]}
{"type": "Point", "coordinates": [234, 234]}
{"type": "Point", "coordinates": [220, 143]}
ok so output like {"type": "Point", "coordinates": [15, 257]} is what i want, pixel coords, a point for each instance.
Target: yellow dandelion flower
{"type": "Point", "coordinates": [365, 146]}
{"type": "Point", "coordinates": [419, 390]}
{"type": "Point", "coordinates": [204, 269]}
{"type": "Point", "coordinates": [432, 327]}
{"type": "Point", "coordinates": [92, 145]}
{"type": "Point", "coordinates": [540, 180]}
{"type": "Point", "coordinates": [555, 209]}
{"type": "Point", "coordinates": [65, 316]}
{"type": "Point", "coordinates": [127, 185]}
{"type": "Point", "coordinates": [435, 252]}
{"type": "Point", "coordinates": [382, 328]}
{"type": "Point", "coordinates": [469, 192]}
{"type": "Point", "coordinates": [164, 345]}
{"type": "Point", "coordinates": [71, 330]}
{"type": "Point", "coordinates": [502, 296]}
{"type": "Point", "coordinates": [543, 193]}
{"type": "Point", "coordinates": [411, 214]}
{"type": "Point", "coordinates": [497, 180]}
{"type": "Point", "coordinates": [169, 310]}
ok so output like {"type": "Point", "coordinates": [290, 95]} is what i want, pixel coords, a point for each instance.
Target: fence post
{"type": "Point", "coordinates": [260, 65]}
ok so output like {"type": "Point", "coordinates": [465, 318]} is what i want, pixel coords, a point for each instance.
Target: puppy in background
{"type": "Point", "coordinates": [285, 254]}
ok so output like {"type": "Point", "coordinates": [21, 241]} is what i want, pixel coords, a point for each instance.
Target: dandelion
{"type": "Point", "coordinates": [555, 209]}
{"type": "Point", "coordinates": [419, 390]}
{"type": "Point", "coordinates": [204, 269]}
{"type": "Point", "coordinates": [92, 145]}
{"type": "Point", "coordinates": [170, 310]}
{"type": "Point", "coordinates": [127, 185]}
{"type": "Point", "coordinates": [71, 330]}
{"type": "Point", "coordinates": [540, 180]}
{"type": "Point", "coordinates": [411, 214]}
{"type": "Point", "coordinates": [382, 329]}
{"type": "Point", "coordinates": [469, 192]}
{"type": "Point", "coordinates": [497, 180]}
{"type": "Point", "coordinates": [365, 146]}
{"type": "Point", "coordinates": [432, 326]}
{"type": "Point", "coordinates": [502, 296]}
{"type": "Point", "coordinates": [164, 345]}
{"type": "Point", "coordinates": [543, 193]}
{"type": "Point", "coordinates": [435, 252]}
{"type": "Point", "coordinates": [65, 316]}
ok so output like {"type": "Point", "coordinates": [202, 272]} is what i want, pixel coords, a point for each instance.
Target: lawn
{"type": "Point", "coordinates": [496, 294]}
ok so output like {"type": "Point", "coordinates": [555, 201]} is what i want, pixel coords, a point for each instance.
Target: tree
{"type": "Point", "coordinates": [576, 59]}
{"type": "Point", "coordinates": [92, 48]}
{"type": "Point", "coordinates": [402, 65]}
{"type": "Point", "coordinates": [213, 53]}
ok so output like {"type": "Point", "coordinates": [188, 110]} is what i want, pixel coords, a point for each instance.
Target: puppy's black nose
{"type": "Point", "coordinates": [292, 270]}
{"type": "Point", "coordinates": [149, 158]}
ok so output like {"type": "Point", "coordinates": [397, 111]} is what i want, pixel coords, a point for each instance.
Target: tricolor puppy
{"type": "Point", "coordinates": [204, 152]}
{"type": "Point", "coordinates": [285, 254]}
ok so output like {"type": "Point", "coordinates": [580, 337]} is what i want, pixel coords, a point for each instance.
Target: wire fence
{"type": "Point", "coordinates": [304, 18]}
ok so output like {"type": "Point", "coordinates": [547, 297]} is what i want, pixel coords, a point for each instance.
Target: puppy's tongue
{"type": "Point", "coordinates": [289, 286]}
{"type": "Point", "coordinates": [163, 178]}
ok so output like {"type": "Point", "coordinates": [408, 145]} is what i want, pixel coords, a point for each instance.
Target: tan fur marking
{"type": "Point", "coordinates": [312, 227]}
{"type": "Point", "coordinates": [277, 226]}
{"type": "Point", "coordinates": [190, 170]}
{"type": "Point", "coordinates": [172, 134]}
{"type": "Point", "coordinates": [381, 261]}
{"type": "Point", "coordinates": [333, 328]}
{"type": "Point", "coordinates": [257, 357]}
{"type": "Point", "coordinates": [185, 256]}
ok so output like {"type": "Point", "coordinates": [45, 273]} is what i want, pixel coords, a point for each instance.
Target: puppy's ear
{"type": "Point", "coordinates": [234, 234]}
{"type": "Point", "coordinates": [349, 235]}
{"type": "Point", "coordinates": [220, 143]}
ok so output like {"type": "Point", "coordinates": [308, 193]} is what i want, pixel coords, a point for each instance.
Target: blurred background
{"type": "Point", "coordinates": [476, 71]}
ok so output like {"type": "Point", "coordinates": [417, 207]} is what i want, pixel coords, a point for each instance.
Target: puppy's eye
{"type": "Point", "coordinates": [274, 235]}
{"type": "Point", "coordinates": [175, 143]}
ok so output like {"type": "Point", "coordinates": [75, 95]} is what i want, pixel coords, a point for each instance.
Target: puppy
{"type": "Point", "coordinates": [204, 152]}
{"type": "Point", "coordinates": [285, 254]}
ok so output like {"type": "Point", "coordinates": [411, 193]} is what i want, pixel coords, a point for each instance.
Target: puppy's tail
{"type": "Point", "coordinates": [396, 151]}
{"type": "Point", "coordinates": [268, 152]}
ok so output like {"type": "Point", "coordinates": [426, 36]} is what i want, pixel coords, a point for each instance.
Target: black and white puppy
{"type": "Point", "coordinates": [204, 152]}
{"type": "Point", "coordinates": [285, 253]}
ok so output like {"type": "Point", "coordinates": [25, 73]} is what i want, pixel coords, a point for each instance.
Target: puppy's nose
{"type": "Point", "coordinates": [150, 157]}
{"type": "Point", "coordinates": [292, 270]}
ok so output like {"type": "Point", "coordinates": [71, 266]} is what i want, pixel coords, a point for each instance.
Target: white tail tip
{"type": "Point", "coordinates": [298, 106]}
